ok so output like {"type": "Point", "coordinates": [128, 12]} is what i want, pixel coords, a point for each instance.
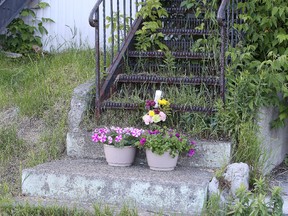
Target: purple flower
{"type": "Point", "coordinates": [192, 142]}
{"type": "Point", "coordinates": [153, 132]}
{"type": "Point", "coordinates": [102, 138]}
{"type": "Point", "coordinates": [177, 135]}
{"type": "Point", "coordinates": [150, 103]}
{"type": "Point", "coordinates": [135, 132]}
{"type": "Point", "coordinates": [95, 138]}
{"type": "Point", "coordinates": [110, 140]}
{"type": "Point", "coordinates": [191, 152]}
{"type": "Point", "coordinates": [156, 111]}
{"type": "Point", "coordinates": [118, 138]}
{"type": "Point", "coordinates": [142, 141]}
{"type": "Point", "coordinates": [103, 130]}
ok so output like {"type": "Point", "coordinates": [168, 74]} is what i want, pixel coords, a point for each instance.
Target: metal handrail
{"type": "Point", "coordinates": [221, 12]}
{"type": "Point", "coordinates": [9, 10]}
{"type": "Point", "coordinates": [120, 48]}
{"type": "Point", "coordinates": [221, 18]}
{"type": "Point", "coordinates": [92, 21]}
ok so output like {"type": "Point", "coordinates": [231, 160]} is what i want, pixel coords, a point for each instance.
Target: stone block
{"type": "Point", "coordinates": [183, 190]}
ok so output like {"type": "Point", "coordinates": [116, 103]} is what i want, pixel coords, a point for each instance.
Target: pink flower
{"type": "Point", "coordinates": [162, 116]}
{"type": "Point", "coordinates": [118, 138]}
{"type": "Point", "coordinates": [103, 130]}
{"type": "Point", "coordinates": [102, 138]}
{"type": "Point", "coordinates": [191, 152]}
{"type": "Point", "coordinates": [142, 141]}
{"type": "Point", "coordinates": [136, 132]}
{"type": "Point", "coordinates": [95, 138]}
{"type": "Point", "coordinates": [110, 140]}
{"type": "Point", "coordinates": [193, 142]}
{"type": "Point", "coordinates": [118, 130]}
{"type": "Point", "coordinates": [147, 119]}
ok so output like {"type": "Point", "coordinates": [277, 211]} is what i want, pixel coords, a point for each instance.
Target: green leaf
{"type": "Point", "coordinates": [43, 5]}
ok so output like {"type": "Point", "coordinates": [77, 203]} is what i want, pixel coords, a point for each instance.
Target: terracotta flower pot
{"type": "Point", "coordinates": [119, 156]}
{"type": "Point", "coordinates": [163, 162]}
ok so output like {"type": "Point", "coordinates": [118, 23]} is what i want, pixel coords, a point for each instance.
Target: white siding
{"type": "Point", "coordinates": [71, 27]}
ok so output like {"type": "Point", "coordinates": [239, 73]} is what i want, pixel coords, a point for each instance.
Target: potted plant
{"type": "Point", "coordinates": [119, 144]}
{"type": "Point", "coordinates": [163, 145]}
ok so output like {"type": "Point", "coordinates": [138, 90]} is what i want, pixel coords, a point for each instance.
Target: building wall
{"type": "Point", "coordinates": [71, 27]}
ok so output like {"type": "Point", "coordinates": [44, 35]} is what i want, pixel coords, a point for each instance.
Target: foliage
{"type": "Point", "coordinates": [22, 210]}
{"type": "Point", "coordinates": [164, 139]}
{"type": "Point", "coordinates": [117, 136]}
{"type": "Point", "coordinates": [147, 37]}
{"type": "Point", "coordinates": [248, 203]}
{"type": "Point", "coordinates": [22, 37]}
{"type": "Point", "coordinates": [264, 49]}
{"type": "Point", "coordinates": [122, 26]}
{"type": "Point", "coordinates": [10, 144]}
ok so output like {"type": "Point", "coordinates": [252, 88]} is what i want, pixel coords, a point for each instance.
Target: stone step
{"type": "Point", "coordinates": [209, 154]}
{"type": "Point", "coordinates": [183, 190]}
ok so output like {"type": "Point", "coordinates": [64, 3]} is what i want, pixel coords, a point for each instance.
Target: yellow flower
{"type": "Point", "coordinates": [163, 102]}
{"type": "Point", "coordinates": [151, 113]}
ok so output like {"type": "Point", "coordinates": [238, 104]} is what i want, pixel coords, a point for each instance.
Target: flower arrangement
{"type": "Point", "coordinates": [157, 111]}
{"type": "Point", "coordinates": [163, 139]}
{"type": "Point", "coordinates": [117, 136]}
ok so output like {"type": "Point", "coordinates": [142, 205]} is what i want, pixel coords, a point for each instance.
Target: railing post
{"type": "Point", "coordinates": [222, 21]}
{"type": "Point", "coordinates": [222, 60]}
{"type": "Point", "coordinates": [97, 68]}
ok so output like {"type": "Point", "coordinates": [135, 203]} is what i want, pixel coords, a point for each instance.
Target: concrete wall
{"type": "Point", "coordinates": [274, 141]}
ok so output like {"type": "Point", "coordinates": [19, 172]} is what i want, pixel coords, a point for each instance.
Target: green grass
{"type": "Point", "coordinates": [37, 84]}
{"type": "Point", "coordinates": [40, 88]}
{"type": "Point", "coordinates": [8, 209]}
{"type": "Point", "coordinates": [10, 145]}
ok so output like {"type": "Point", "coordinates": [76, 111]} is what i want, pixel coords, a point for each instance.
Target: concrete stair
{"type": "Point", "coordinates": [183, 190]}
{"type": "Point", "coordinates": [84, 176]}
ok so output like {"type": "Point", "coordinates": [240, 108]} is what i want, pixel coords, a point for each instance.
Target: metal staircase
{"type": "Point", "coordinates": [121, 62]}
{"type": "Point", "coordinates": [9, 10]}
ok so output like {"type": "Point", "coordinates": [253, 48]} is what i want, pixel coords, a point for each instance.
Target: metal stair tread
{"type": "Point", "coordinates": [160, 54]}
{"type": "Point", "coordinates": [176, 107]}
{"type": "Point", "coordinates": [196, 80]}
{"type": "Point", "coordinates": [183, 31]}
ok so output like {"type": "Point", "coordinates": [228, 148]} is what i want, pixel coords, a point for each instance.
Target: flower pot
{"type": "Point", "coordinates": [163, 162]}
{"type": "Point", "coordinates": [119, 156]}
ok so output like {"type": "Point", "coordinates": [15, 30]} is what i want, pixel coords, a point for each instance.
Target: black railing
{"type": "Point", "coordinates": [227, 16]}
{"type": "Point", "coordinates": [112, 19]}
{"type": "Point", "coordinates": [115, 25]}
{"type": "Point", "coordinates": [9, 9]}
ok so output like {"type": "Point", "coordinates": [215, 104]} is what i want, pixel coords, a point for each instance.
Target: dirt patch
{"type": "Point", "coordinates": [29, 130]}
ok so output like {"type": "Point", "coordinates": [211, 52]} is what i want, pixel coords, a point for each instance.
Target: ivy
{"type": "Point", "coordinates": [20, 36]}
{"type": "Point", "coordinates": [147, 37]}
{"type": "Point", "coordinates": [264, 50]}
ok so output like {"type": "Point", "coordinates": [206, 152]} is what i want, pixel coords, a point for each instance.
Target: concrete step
{"type": "Point", "coordinates": [183, 190]}
{"type": "Point", "coordinates": [209, 154]}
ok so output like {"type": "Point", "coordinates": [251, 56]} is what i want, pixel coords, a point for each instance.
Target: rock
{"type": "Point", "coordinates": [237, 174]}
{"type": "Point", "coordinates": [12, 55]}
{"type": "Point", "coordinates": [213, 187]}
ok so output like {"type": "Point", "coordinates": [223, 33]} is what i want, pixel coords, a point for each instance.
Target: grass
{"type": "Point", "coordinates": [40, 88]}
{"type": "Point", "coordinates": [7, 208]}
